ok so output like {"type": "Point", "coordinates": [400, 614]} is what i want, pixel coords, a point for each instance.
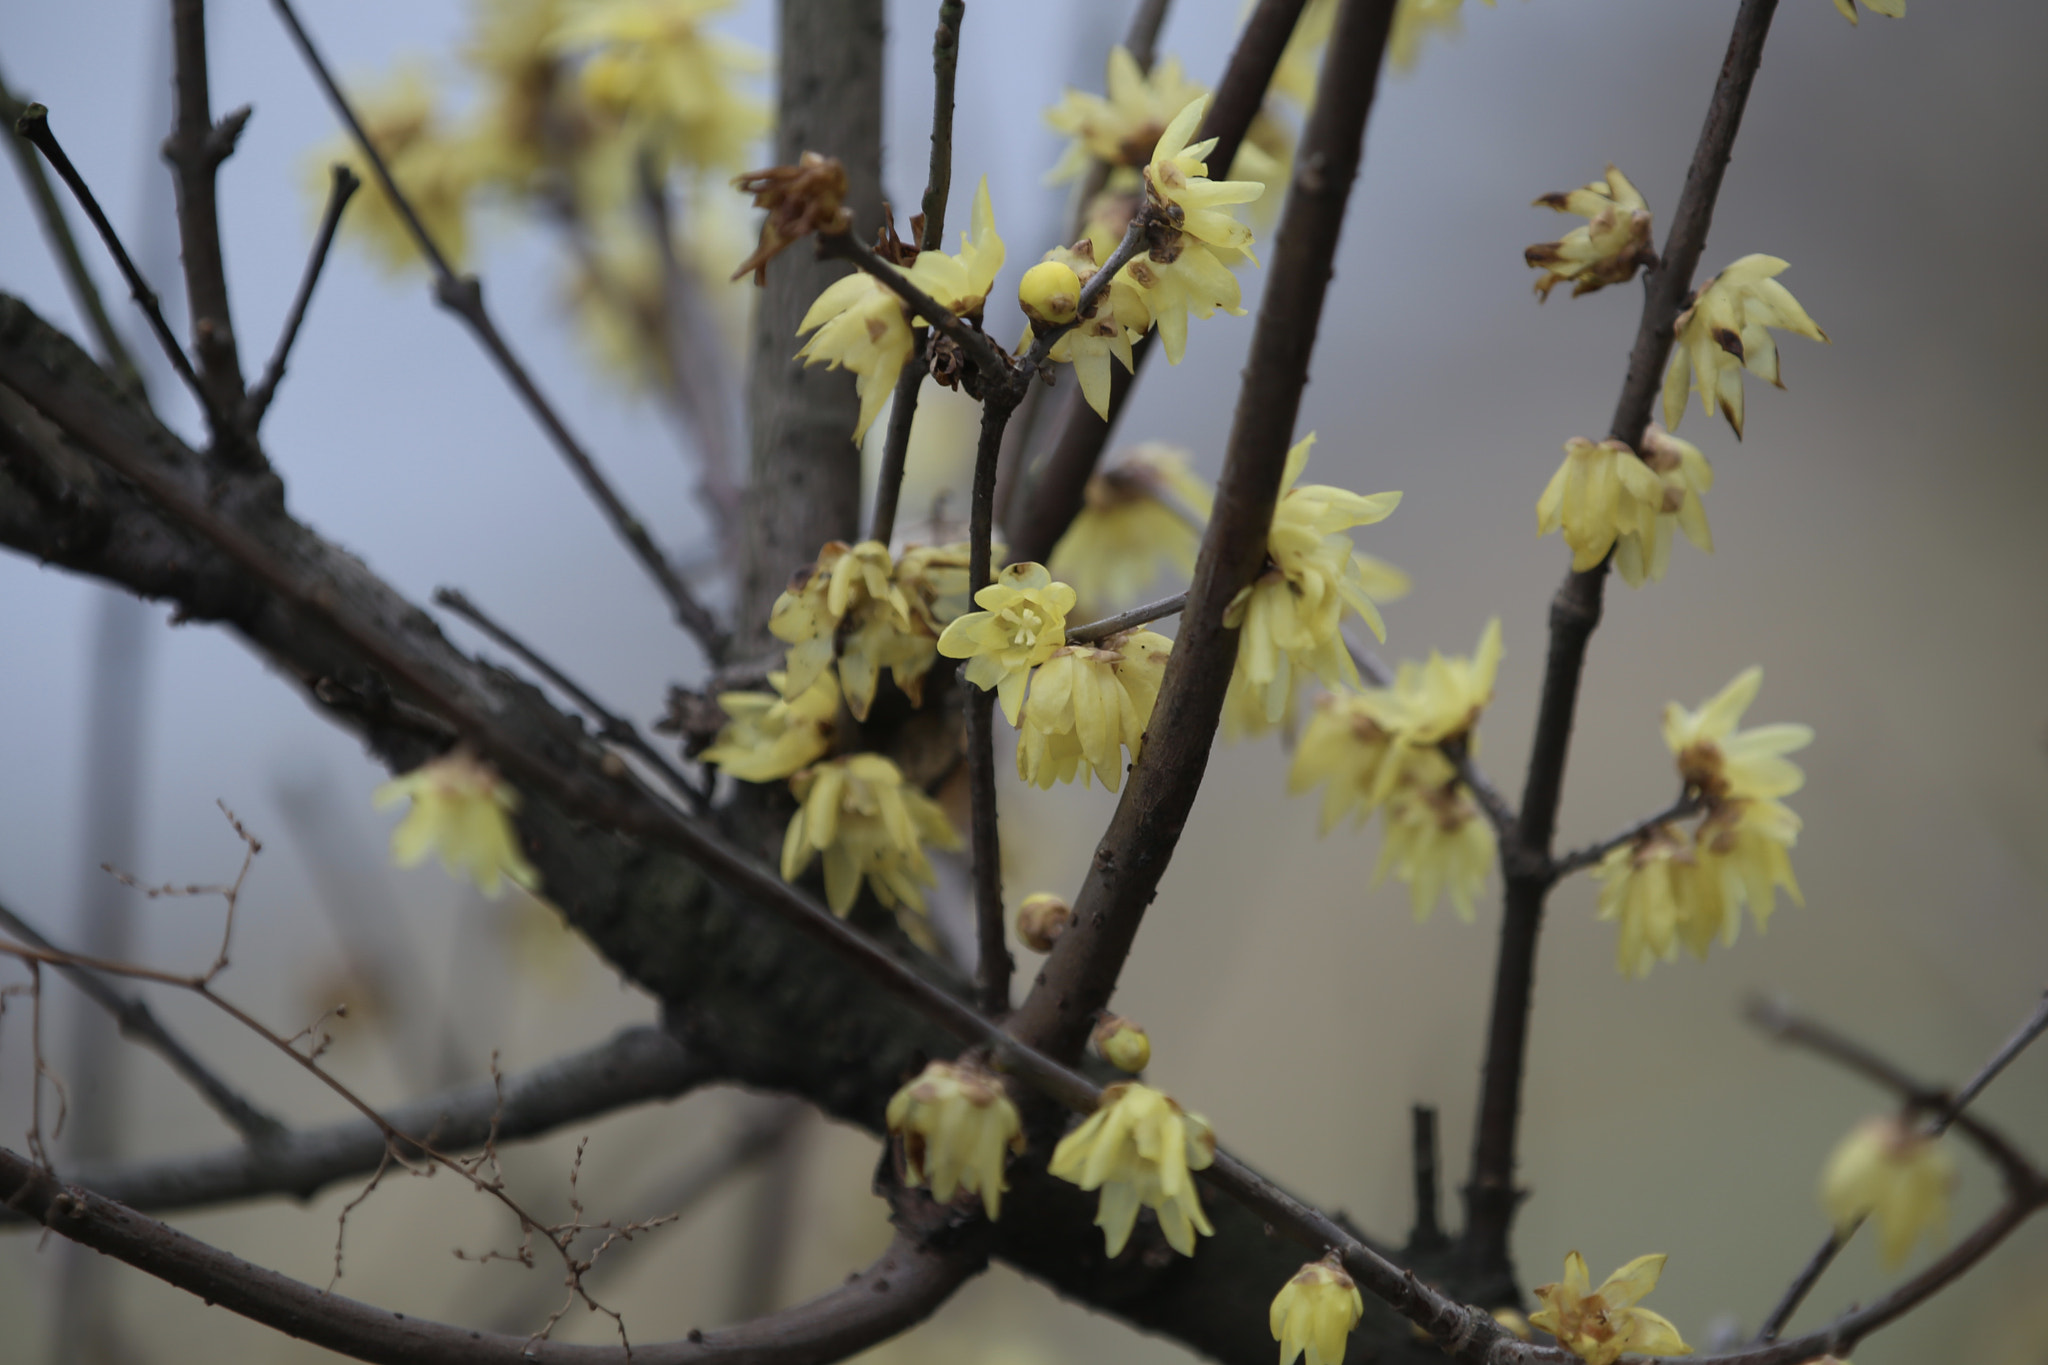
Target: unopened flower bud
{"type": "Point", "coordinates": [1049, 293]}
{"type": "Point", "coordinates": [1123, 1043]}
{"type": "Point", "coordinates": [1041, 919]}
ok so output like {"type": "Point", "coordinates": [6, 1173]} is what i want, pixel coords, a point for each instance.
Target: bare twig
{"type": "Point", "coordinates": [265, 389]}
{"type": "Point", "coordinates": [34, 125]}
{"type": "Point", "coordinates": [1490, 1194]}
{"type": "Point", "coordinates": [139, 1023]}
{"type": "Point", "coordinates": [1428, 1233]}
{"type": "Point", "coordinates": [1127, 620]}
{"type": "Point", "coordinates": [85, 292]}
{"type": "Point", "coordinates": [463, 295]}
{"type": "Point", "coordinates": [608, 723]}
{"type": "Point", "coordinates": [896, 442]}
{"type": "Point", "coordinates": [1687, 804]}
{"type": "Point", "coordinates": [1082, 971]}
{"type": "Point", "coordinates": [1142, 40]}
{"type": "Point", "coordinates": [2022, 1038]}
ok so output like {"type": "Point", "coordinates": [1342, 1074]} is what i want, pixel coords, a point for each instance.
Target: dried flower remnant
{"type": "Point", "coordinates": [773, 734]}
{"type": "Point", "coordinates": [869, 824]}
{"type": "Point", "coordinates": [1313, 1314]}
{"type": "Point", "coordinates": [1726, 330]}
{"type": "Point", "coordinates": [1608, 249]}
{"type": "Point", "coordinates": [1142, 515]}
{"type": "Point", "coordinates": [1140, 1149]}
{"type": "Point", "coordinates": [954, 1122]}
{"type": "Point", "coordinates": [1022, 621]}
{"type": "Point", "coordinates": [462, 810]}
{"type": "Point", "coordinates": [1892, 1174]}
{"type": "Point", "coordinates": [801, 199]}
{"type": "Point", "coordinates": [1599, 1326]}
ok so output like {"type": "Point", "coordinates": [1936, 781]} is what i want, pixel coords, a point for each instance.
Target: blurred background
{"type": "Point", "coordinates": [1879, 553]}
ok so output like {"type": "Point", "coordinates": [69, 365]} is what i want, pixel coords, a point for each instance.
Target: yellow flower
{"type": "Point", "coordinates": [1116, 317]}
{"type": "Point", "coordinates": [462, 810]}
{"type": "Point", "coordinates": [1686, 475]}
{"type": "Point", "coordinates": [955, 1121]}
{"type": "Point", "coordinates": [1599, 1327]}
{"type": "Point", "coordinates": [863, 326]}
{"type": "Point", "coordinates": [1607, 250]}
{"type": "Point", "coordinates": [1314, 1312]}
{"type": "Point", "coordinates": [1654, 887]}
{"type": "Point", "coordinates": [652, 66]}
{"type": "Point", "coordinates": [1598, 495]}
{"type": "Point", "coordinates": [1128, 530]}
{"type": "Point", "coordinates": [1087, 704]}
{"type": "Point", "coordinates": [1887, 1171]}
{"type": "Point", "coordinates": [1119, 129]}
{"type": "Point", "coordinates": [1890, 9]}
{"type": "Point", "coordinates": [772, 734]}
{"type": "Point", "coordinates": [1041, 919]}
{"type": "Point", "coordinates": [1139, 1148]}
{"type": "Point", "coordinates": [1344, 749]}
{"type": "Point", "coordinates": [868, 823]}
{"type": "Point", "coordinates": [1745, 842]}
{"type": "Point", "coordinates": [1123, 1043]}
{"type": "Point", "coordinates": [1022, 621]}
{"type": "Point", "coordinates": [1415, 20]}
{"type": "Point", "coordinates": [1432, 703]}
{"type": "Point", "coordinates": [1436, 841]}
{"type": "Point", "coordinates": [1291, 617]}
{"type": "Point", "coordinates": [1050, 291]}
{"type": "Point", "coordinates": [509, 50]}
{"type": "Point", "coordinates": [1725, 331]}
{"type": "Point", "coordinates": [850, 608]}
{"type": "Point", "coordinates": [1721, 763]}
{"type": "Point", "coordinates": [433, 166]}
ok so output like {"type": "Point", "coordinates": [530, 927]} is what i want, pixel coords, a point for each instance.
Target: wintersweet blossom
{"type": "Point", "coordinates": [1686, 475]}
{"type": "Point", "coordinates": [1088, 703]}
{"type": "Point", "coordinates": [1434, 703]}
{"type": "Point", "coordinates": [1117, 316]}
{"type": "Point", "coordinates": [655, 67]}
{"type": "Point", "coordinates": [1313, 1314]}
{"type": "Point", "coordinates": [462, 810]}
{"type": "Point", "coordinates": [1120, 127]}
{"type": "Point", "coordinates": [954, 1122]}
{"type": "Point", "coordinates": [1290, 618]}
{"type": "Point", "coordinates": [1654, 887]}
{"type": "Point", "coordinates": [1139, 1148]}
{"type": "Point", "coordinates": [1890, 9]}
{"type": "Point", "coordinates": [1436, 840]}
{"type": "Point", "coordinates": [1722, 763]}
{"type": "Point", "coordinates": [1899, 1178]}
{"type": "Point", "coordinates": [1602, 1325]}
{"type": "Point", "coordinates": [1749, 842]}
{"type": "Point", "coordinates": [1142, 515]}
{"type": "Point", "coordinates": [869, 823]}
{"type": "Point", "coordinates": [858, 609]}
{"type": "Point", "coordinates": [430, 161]}
{"type": "Point", "coordinates": [772, 734]}
{"type": "Point", "coordinates": [1023, 619]}
{"type": "Point", "coordinates": [1726, 331]}
{"type": "Point", "coordinates": [1181, 272]}
{"type": "Point", "coordinates": [862, 325]}
{"type": "Point", "coordinates": [1613, 242]}
{"type": "Point", "coordinates": [1598, 495]}
{"type": "Point", "coordinates": [1344, 751]}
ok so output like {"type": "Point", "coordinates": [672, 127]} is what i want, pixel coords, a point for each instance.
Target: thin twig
{"type": "Point", "coordinates": [1127, 620]}
{"type": "Point", "coordinates": [85, 291]}
{"type": "Point", "coordinates": [34, 124]}
{"type": "Point", "coordinates": [344, 184]}
{"type": "Point", "coordinates": [463, 295]}
{"type": "Point", "coordinates": [995, 366]}
{"type": "Point", "coordinates": [992, 975]}
{"type": "Point", "coordinates": [608, 723]}
{"type": "Point", "coordinates": [2022, 1038]}
{"type": "Point", "coordinates": [1687, 804]}
{"type": "Point", "coordinates": [1490, 1194]}
{"type": "Point", "coordinates": [1803, 1283]}
{"type": "Point", "coordinates": [138, 1022]}
{"type": "Point", "coordinates": [1428, 1233]}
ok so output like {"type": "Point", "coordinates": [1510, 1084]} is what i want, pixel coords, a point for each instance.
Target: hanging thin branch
{"type": "Point", "coordinates": [344, 185]}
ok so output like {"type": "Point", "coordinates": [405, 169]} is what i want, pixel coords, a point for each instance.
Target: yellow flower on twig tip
{"type": "Point", "coordinates": [1313, 1314]}
{"type": "Point", "coordinates": [1599, 1326]}
{"type": "Point", "coordinates": [869, 824]}
{"type": "Point", "coordinates": [1607, 249]}
{"type": "Point", "coordinates": [1139, 1148]}
{"type": "Point", "coordinates": [1899, 1178]}
{"type": "Point", "coordinates": [772, 734]}
{"type": "Point", "coordinates": [1023, 619]}
{"type": "Point", "coordinates": [462, 810]}
{"type": "Point", "coordinates": [1725, 331]}
{"type": "Point", "coordinates": [954, 1122]}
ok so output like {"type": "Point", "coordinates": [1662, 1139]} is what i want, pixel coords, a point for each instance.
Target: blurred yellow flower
{"type": "Point", "coordinates": [1646, 553]}
{"type": "Point", "coordinates": [1654, 887]}
{"type": "Point", "coordinates": [1726, 331]}
{"type": "Point", "coordinates": [433, 165]}
{"type": "Point", "coordinates": [1890, 9]}
{"type": "Point", "coordinates": [772, 734]}
{"type": "Point", "coordinates": [462, 810]}
{"type": "Point", "coordinates": [1314, 1312]}
{"type": "Point", "coordinates": [1601, 1326]}
{"type": "Point", "coordinates": [1599, 494]}
{"type": "Point", "coordinates": [1888, 1172]}
{"type": "Point", "coordinates": [1088, 703]}
{"type": "Point", "coordinates": [850, 609]}
{"type": "Point", "coordinates": [1614, 241]}
{"type": "Point", "coordinates": [1436, 841]}
{"type": "Point", "coordinates": [954, 1122]}
{"type": "Point", "coordinates": [1142, 515]}
{"type": "Point", "coordinates": [1415, 20]}
{"type": "Point", "coordinates": [1722, 763]}
{"type": "Point", "coordinates": [1344, 750]}
{"type": "Point", "coordinates": [1139, 1148]}
{"type": "Point", "coordinates": [1119, 128]}
{"type": "Point", "coordinates": [868, 823]}
{"type": "Point", "coordinates": [1023, 619]}
{"type": "Point", "coordinates": [653, 66]}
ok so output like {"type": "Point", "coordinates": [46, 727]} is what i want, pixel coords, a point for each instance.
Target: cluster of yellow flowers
{"type": "Point", "coordinates": [770, 735]}
{"type": "Point", "coordinates": [1142, 515]}
{"type": "Point", "coordinates": [1607, 498]}
{"type": "Point", "coordinates": [1291, 618]}
{"type": "Point", "coordinates": [1888, 1171]}
{"type": "Point", "coordinates": [1601, 1325]}
{"type": "Point", "coordinates": [1140, 1149]}
{"type": "Point", "coordinates": [1381, 749]}
{"type": "Point", "coordinates": [1666, 886]}
{"type": "Point", "coordinates": [862, 610]}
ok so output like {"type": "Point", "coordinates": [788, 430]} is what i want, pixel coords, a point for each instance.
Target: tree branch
{"type": "Point", "coordinates": [1592, 854]}
{"type": "Point", "coordinates": [258, 402]}
{"type": "Point", "coordinates": [139, 1024]}
{"type": "Point", "coordinates": [463, 295]}
{"type": "Point", "coordinates": [1490, 1193]}
{"type": "Point", "coordinates": [1128, 620]}
{"type": "Point", "coordinates": [1081, 973]}
{"type": "Point", "coordinates": [992, 975]}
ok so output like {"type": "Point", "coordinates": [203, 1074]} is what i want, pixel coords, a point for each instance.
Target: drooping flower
{"type": "Point", "coordinates": [1088, 703]}
{"type": "Point", "coordinates": [772, 734]}
{"type": "Point", "coordinates": [954, 1122]}
{"type": "Point", "coordinates": [1115, 318]}
{"type": "Point", "coordinates": [1290, 618]}
{"type": "Point", "coordinates": [1023, 619]}
{"type": "Point", "coordinates": [862, 325]}
{"type": "Point", "coordinates": [1723, 763]}
{"type": "Point", "coordinates": [1654, 887]}
{"type": "Point", "coordinates": [849, 609]}
{"type": "Point", "coordinates": [432, 164]}
{"type": "Point", "coordinates": [1598, 495]}
{"type": "Point", "coordinates": [1890, 9]}
{"type": "Point", "coordinates": [1344, 750]}
{"type": "Point", "coordinates": [869, 824]}
{"type": "Point", "coordinates": [462, 810]}
{"type": "Point", "coordinates": [1888, 1171]}
{"type": "Point", "coordinates": [1601, 1326]}
{"type": "Point", "coordinates": [654, 66]}
{"type": "Point", "coordinates": [1314, 1312]}
{"type": "Point", "coordinates": [1126, 1046]}
{"type": "Point", "coordinates": [1140, 516]}
{"type": "Point", "coordinates": [1139, 1148]}
{"type": "Point", "coordinates": [510, 52]}
{"type": "Point", "coordinates": [1726, 331]}
{"type": "Point", "coordinates": [1747, 843]}
{"type": "Point", "coordinates": [1119, 128]}
{"type": "Point", "coordinates": [1436, 841]}
{"type": "Point", "coordinates": [1646, 553]}
{"type": "Point", "coordinates": [1608, 249]}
